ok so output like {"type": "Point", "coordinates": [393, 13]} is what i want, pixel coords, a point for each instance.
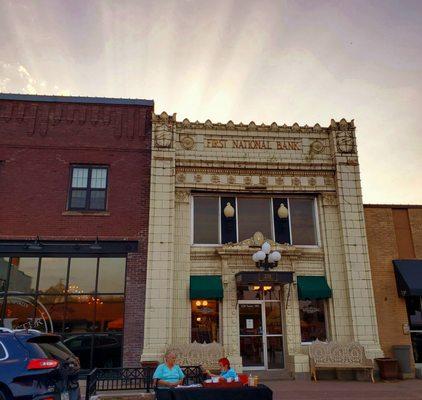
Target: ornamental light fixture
{"type": "Point", "coordinates": [35, 245]}
{"type": "Point", "coordinates": [266, 259]}
{"type": "Point", "coordinates": [283, 212]}
{"type": "Point", "coordinates": [96, 245]}
{"type": "Point", "coordinates": [228, 210]}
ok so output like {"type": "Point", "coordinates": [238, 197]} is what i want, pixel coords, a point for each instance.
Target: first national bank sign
{"type": "Point", "coordinates": [253, 144]}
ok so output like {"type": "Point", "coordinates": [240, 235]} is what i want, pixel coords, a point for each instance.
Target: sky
{"type": "Point", "coordinates": [304, 61]}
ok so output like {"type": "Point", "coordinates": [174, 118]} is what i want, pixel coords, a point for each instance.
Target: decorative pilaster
{"type": "Point", "coordinates": [182, 239]}
{"type": "Point", "coordinates": [160, 273]}
{"type": "Point", "coordinates": [353, 234]}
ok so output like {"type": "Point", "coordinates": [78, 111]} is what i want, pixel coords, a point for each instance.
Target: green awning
{"type": "Point", "coordinates": [313, 287]}
{"type": "Point", "coordinates": [207, 287]}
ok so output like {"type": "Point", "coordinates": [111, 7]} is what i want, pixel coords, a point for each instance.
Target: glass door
{"type": "Point", "coordinates": [251, 335]}
{"type": "Point", "coordinates": [414, 311]}
{"type": "Point", "coordinates": [261, 334]}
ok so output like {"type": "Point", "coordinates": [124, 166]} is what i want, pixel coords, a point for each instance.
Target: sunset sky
{"type": "Point", "coordinates": [287, 61]}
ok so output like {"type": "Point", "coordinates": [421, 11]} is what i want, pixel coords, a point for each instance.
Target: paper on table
{"type": "Point", "coordinates": [189, 386]}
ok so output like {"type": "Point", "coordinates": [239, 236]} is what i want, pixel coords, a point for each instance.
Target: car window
{"type": "Point", "coordinates": [56, 350]}
{"type": "Point", "coordinates": [103, 341]}
{"type": "Point", "coordinates": [3, 352]}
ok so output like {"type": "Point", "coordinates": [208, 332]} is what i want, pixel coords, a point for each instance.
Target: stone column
{"type": "Point", "coordinates": [353, 234]}
{"type": "Point", "coordinates": [160, 272]}
{"type": "Point", "coordinates": [339, 315]}
{"type": "Point", "coordinates": [182, 241]}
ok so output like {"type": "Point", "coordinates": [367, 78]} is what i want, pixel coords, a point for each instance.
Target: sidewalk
{"type": "Point", "coordinates": [346, 390]}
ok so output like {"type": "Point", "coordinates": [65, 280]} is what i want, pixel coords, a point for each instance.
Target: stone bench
{"type": "Point", "coordinates": [204, 354]}
{"type": "Point", "coordinates": [338, 356]}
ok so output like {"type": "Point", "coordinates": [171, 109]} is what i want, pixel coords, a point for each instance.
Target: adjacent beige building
{"type": "Point", "coordinates": [218, 192]}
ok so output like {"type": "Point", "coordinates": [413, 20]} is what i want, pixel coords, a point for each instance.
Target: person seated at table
{"type": "Point", "coordinates": [226, 371]}
{"type": "Point", "coordinates": [168, 374]}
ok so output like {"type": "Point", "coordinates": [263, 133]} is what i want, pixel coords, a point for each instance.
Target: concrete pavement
{"type": "Point", "coordinates": [346, 390]}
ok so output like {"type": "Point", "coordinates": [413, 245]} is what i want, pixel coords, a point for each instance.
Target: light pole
{"type": "Point", "coordinates": [266, 259]}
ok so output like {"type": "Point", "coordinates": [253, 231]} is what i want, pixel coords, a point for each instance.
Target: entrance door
{"type": "Point", "coordinates": [414, 310]}
{"type": "Point", "coordinates": [261, 338]}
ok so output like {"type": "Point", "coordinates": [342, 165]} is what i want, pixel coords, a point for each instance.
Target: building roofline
{"type": "Point", "coordinates": [76, 99]}
{"type": "Point", "coordinates": [392, 205]}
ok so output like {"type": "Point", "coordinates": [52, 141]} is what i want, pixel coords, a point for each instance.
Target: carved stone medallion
{"type": "Point", "coordinates": [187, 142]}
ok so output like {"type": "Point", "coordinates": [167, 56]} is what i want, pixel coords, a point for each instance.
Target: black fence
{"type": "Point", "coordinates": [112, 379]}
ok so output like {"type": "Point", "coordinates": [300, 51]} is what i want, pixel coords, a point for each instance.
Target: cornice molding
{"type": "Point", "coordinates": [251, 126]}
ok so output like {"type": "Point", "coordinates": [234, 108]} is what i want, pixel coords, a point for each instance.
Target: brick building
{"type": "Point", "coordinates": [74, 207]}
{"type": "Point", "coordinates": [394, 237]}
{"type": "Point", "coordinates": [221, 191]}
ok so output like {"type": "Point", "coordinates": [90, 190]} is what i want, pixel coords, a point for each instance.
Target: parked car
{"type": "Point", "coordinates": [107, 349]}
{"type": "Point", "coordinates": [36, 366]}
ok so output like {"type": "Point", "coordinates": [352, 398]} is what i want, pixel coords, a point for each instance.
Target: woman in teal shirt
{"type": "Point", "coordinates": [226, 371]}
{"type": "Point", "coordinates": [168, 374]}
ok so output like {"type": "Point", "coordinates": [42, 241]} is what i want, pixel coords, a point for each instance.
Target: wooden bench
{"type": "Point", "coordinates": [204, 354]}
{"type": "Point", "coordinates": [333, 355]}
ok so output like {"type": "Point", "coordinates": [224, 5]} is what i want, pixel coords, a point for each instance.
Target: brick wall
{"type": "Point", "coordinates": [383, 248]}
{"type": "Point", "coordinates": [38, 142]}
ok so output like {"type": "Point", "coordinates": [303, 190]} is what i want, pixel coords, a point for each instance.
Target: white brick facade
{"type": "Point", "coordinates": [244, 159]}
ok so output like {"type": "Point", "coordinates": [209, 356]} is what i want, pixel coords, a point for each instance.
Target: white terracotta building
{"type": "Point", "coordinates": [218, 191]}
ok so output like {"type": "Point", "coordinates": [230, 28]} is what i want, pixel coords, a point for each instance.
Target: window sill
{"type": "Point", "coordinates": [88, 213]}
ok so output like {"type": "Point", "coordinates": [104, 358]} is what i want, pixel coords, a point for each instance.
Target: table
{"type": "Point", "coordinates": [260, 392]}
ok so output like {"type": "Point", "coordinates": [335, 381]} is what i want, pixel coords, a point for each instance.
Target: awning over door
{"type": "Point", "coordinates": [408, 277]}
{"type": "Point", "coordinates": [313, 288]}
{"type": "Point", "coordinates": [207, 287]}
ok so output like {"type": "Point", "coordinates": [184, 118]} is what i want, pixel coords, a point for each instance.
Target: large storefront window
{"type": "Point", "coordinates": [285, 220]}
{"type": "Point", "coordinates": [414, 311]}
{"type": "Point", "coordinates": [81, 298]}
{"type": "Point", "coordinates": [205, 321]}
{"type": "Point", "coordinates": [312, 320]}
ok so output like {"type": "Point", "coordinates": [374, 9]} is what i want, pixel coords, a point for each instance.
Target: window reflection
{"type": "Point", "coordinates": [68, 305]}
{"type": "Point", "coordinates": [205, 220]}
{"type": "Point", "coordinates": [81, 346]}
{"type": "Point", "coordinates": [23, 274]}
{"type": "Point", "coordinates": [51, 308]}
{"type": "Point", "coordinates": [111, 275]}
{"type": "Point", "coordinates": [205, 321]}
{"type": "Point", "coordinates": [20, 312]}
{"type": "Point", "coordinates": [4, 268]}
{"type": "Point", "coordinates": [302, 219]}
{"type": "Point", "coordinates": [109, 313]}
{"type": "Point", "coordinates": [53, 275]}
{"type": "Point", "coordinates": [254, 214]}
{"type": "Point", "coordinates": [82, 275]}
{"type": "Point", "coordinates": [312, 320]}
{"type": "Point", "coordinates": [79, 314]}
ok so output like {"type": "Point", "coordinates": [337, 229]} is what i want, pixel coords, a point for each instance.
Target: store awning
{"type": "Point", "coordinates": [408, 277]}
{"type": "Point", "coordinates": [313, 288]}
{"type": "Point", "coordinates": [207, 287]}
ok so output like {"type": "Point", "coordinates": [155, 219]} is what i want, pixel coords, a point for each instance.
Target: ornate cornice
{"type": "Point", "coordinates": [251, 126]}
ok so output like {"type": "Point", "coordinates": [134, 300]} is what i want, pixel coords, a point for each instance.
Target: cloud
{"type": "Point", "coordinates": [16, 78]}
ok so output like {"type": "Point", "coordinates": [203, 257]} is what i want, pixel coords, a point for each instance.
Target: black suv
{"type": "Point", "coordinates": [37, 366]}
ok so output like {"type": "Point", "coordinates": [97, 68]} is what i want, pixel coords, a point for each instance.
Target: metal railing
{"type": "Point", "coordinates": [114, 379]}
